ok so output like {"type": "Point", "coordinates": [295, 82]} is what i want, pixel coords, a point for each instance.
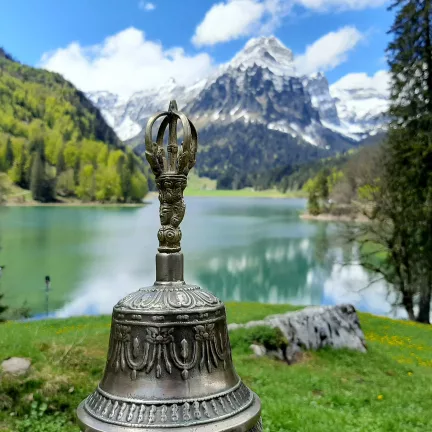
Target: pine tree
{"type": "Point", "coordinates": [9, 156]}
{"type": "Point", "coordinates": [410, 60]}
{"type": "Point", "coordinates": [61, 163]}
{"type": "Point", "coordinates": [37, 179]}
{"type": "Point", "coordinates": [406, 186]}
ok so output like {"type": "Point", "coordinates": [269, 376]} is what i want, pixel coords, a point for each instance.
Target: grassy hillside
{"type": "Point", "coordinates": [56, 143]}
{"type": "Point", "coordinates": [386, 390]}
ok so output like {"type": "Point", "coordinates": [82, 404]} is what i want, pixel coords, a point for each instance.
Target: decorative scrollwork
{"type": "Point", "coordinates": [188, 412]}
{"type": "Point", "coordinates": [171, 172]}
{"type": "Point", "coordinates": [159, 351]}
{"type": "Point", "coordinates": [154, 299]}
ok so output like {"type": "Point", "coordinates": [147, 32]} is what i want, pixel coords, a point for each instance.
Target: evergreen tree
{"type": "Point", "coordinates": [322, 185]}
{"type": "Point", "coordinates": [9, 156]}
{"type": "Point", "coordinates": [313, 204]}
{"type": "Point", "coordinates": [37, 178]}
{"type": "Point", "coordinates": [400, 210]}
{"type": "Point", "coordinates": [410, 61]}
{"type": "Point", "coordinates": [61, 163]}
{"type": "Point", "coordinates": [409, 150]}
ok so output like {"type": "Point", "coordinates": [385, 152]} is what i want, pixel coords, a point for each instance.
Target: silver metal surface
{"type": "Point", "coordinates": [169, 363]}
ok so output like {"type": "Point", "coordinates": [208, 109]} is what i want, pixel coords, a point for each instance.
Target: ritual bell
{"type": "Point", "coordinates": [169, 363]}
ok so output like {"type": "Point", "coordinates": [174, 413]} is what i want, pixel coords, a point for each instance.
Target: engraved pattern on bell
{"type": "Point", "coordinates": [106, 407]}
{"type": "Point", "coordinates": [182, 297]}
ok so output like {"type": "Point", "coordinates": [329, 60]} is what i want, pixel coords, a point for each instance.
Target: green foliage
{"type": "Point", "coordinates": [87, 185]}
{"type": "Point", "coordinates": [138, 187]}
{"type": "Point", "coordinates": [313, 204]}
{"type": "Point", "coordinates": [410, 60]}
{"type": "Point", "coordinates": [109, 186]}
{"type": "Point", "coordinates": [41, 186]}
{"type": "Point", "coordinates": [19, 173]}
{"type": "Point", "coordinates": [39, 421]}
{"type": "Point", "coordinates": [52, 139]}
{"type": "Point", "coordinates": [65, 185]}
{"type": "Point", "coordinates": [270, 338]}
{"type": "Point", "coordinates": [4, 189]}
{"type": "Point", "coordinates": [318, 191]}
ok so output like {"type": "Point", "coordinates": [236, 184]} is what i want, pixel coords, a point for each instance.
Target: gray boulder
{"type": "Point", "coordinates": [314, 328]}
{"type": "Point", "coordinates": [16, 366]}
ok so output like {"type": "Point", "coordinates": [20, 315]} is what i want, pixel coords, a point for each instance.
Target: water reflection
{"type": "Point", "coordinates": [243, 250]}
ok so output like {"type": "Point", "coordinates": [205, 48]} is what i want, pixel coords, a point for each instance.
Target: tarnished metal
{"type": "Point", "coordinates": [169, 364]}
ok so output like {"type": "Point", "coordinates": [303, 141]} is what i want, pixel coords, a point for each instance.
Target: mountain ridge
{"type": "Point", "coordinates": [259, 93]}
{"type": "Point", "coordinates": [337, 111]}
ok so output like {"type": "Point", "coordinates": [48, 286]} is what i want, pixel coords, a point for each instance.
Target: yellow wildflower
{"type": "Point", "coordinates": [380, 397]}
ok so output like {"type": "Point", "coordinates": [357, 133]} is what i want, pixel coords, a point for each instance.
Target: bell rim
{"type": "Point", "coordinates": [242, 421]}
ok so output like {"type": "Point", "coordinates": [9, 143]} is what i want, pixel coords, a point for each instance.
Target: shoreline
{"type": "Point", "coordinates": [72, 204]}
{"type": "Point", "coordinates": [154, 195]}
{"type": "Point", "coordinates": [219, 193]}
{"type": "Point", "coordinates": [325, 217]}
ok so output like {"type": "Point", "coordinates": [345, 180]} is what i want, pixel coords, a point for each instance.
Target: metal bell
{"type": "Point", "coordinates": [169, 364]}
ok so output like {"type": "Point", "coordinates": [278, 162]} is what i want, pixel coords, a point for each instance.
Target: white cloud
{"type": "Point", "coordinates": [233, 19]}
{"type": "Point", "coordinates": [329, 51]}
{"type": "Point", "coordinates": [147, 6]}
{"type": "Point", "coordinates": [326, 5]}
{"type": "Point", "coordinates": [227, 21]}
{"type": "Point", "coordinates": [380, 82]}
{"type": "Point", "coordinates": [125, 63]}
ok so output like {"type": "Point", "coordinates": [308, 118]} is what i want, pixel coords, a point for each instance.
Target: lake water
{"type": "Point", "coordinates": [241, 249]}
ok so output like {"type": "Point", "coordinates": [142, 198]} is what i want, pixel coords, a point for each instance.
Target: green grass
{"type": "Point", "coordinates": [388, 389]}
{"type": "Point", "coordinates": [242, 193]}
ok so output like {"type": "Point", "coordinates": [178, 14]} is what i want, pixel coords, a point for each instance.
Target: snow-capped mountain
{"type": "Point", "coordinates": [318, 88]}
{"type": "Point", "coordinates": [255, 112]}
{"type": "Point", "coordinates": [361, 108]}
{"type": "Point", "coordinates": [128, 117]}
{"type": "Point", "coordinates": [269, 53]}
{"type": "Point", "coordinates": [260, 84]}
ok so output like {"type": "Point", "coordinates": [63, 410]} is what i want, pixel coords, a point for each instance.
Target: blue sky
{"type": "Point", "coordinates": [41, 33]}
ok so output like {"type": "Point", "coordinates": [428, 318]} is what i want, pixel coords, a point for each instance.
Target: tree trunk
{"type": "Point", "coordinates": [407, 301]}
{"type": "Point", "coordinates": [425, 306]}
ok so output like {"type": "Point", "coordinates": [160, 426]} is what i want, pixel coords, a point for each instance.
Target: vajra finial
{"type": "Point", "coordinates": [171, 172]}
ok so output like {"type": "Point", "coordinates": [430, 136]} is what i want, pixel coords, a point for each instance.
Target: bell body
{"type": "Point", "coordinates": [169, 366]}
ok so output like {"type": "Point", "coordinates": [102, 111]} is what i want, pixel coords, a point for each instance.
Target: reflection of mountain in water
{"type": "Point", "coordinates": [306, 271]}
{"type": "Point", "coordinates": [270, 271]}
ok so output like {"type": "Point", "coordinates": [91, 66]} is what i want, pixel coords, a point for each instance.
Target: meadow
{"type": "Point", "coordinates": [387, 389]}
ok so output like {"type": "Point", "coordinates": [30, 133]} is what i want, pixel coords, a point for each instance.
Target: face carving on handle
{"type": "Point", "coordinates": [165, 213]}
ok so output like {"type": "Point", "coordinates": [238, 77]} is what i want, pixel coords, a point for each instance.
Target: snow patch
{"type": "Point", "coordinates": [127, 129]}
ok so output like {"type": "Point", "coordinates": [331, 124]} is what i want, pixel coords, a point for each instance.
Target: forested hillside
{"type": "Point", "coordinates": [54, 142]}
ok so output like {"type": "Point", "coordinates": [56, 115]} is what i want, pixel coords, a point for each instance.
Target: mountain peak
{"type": "Point", "coordinates": [267, 52]}
{"type": "Point", "coordinates": [264, 41]}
